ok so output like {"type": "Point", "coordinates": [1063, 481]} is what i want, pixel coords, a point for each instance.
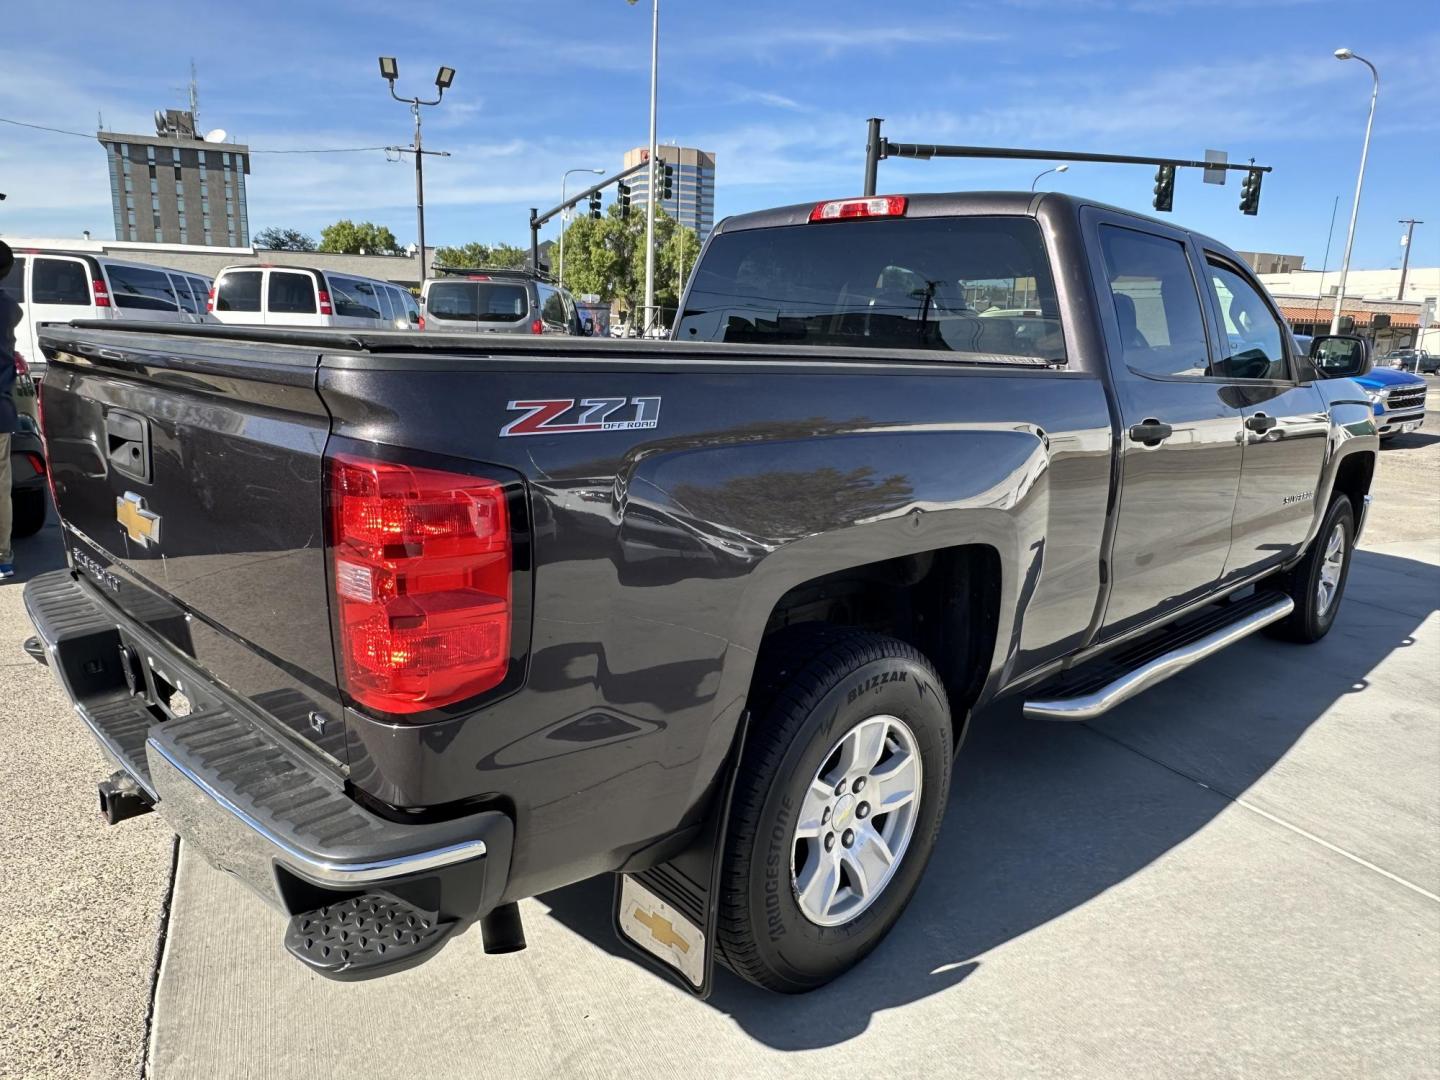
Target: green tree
{"type": "Point", "coordinates": [607, 257]}
{"type": "Point", "coordinates": [277, 239]}
{"type": "Point", "coordinates": [502, 255]}
{"type": "Point", "coordinates": [347, 237]}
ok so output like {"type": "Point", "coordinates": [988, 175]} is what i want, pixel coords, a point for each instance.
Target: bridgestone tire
{"type": "Point", "coordinates": [812, 687]}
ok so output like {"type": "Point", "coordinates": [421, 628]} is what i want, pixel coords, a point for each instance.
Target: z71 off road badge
{"type": "Point", "coordinates": [563, 416]}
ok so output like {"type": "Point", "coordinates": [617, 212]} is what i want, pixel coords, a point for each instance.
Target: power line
{"type": "Point", "coordinates": [317, 150]}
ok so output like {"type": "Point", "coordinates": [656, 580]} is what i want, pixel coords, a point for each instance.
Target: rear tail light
{"type": "Point", "coordinates": [21, 367]}
{"type": "Point", "coordinates": [421, 322]}
{"type": "Point", "coordinates": [326, 308]}
{"type": "Point", "coordinates": [874, 206]}
{"type": "Point", "coordinates": [422, 583]}
{"type": "Point", "coordinates": [102, 294]}
{"type": "Point", "coordinates": [210, 301]}
{"type": "Point", "coordinates": [537, 327]}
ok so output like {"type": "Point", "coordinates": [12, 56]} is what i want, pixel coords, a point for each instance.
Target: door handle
{"type": "Point", "coordinates": [1260, 422]}
{"type": "Point", "coordinates": [1150, 432]}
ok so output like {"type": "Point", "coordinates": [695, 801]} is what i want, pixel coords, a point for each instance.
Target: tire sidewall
{"type": "Point", "coordinates": [792, 945]}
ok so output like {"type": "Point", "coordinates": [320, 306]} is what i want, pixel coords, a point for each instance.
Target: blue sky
{"type": "Point", "coordinates": [780, 91]}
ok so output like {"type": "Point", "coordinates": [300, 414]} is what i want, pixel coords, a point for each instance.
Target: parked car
{"type": "Point", "coordinates": [486, 300]}
{"type": "Point", "coordinates": [1420, 361]}
{"type": "Point", "coordinates": [55, 286]}
{"type": "Point", "coordinates": [265, 295]}
{"type": "Point", "coordinates": [1398, 398]}
{"type": "Point", "coordinates": [401, 633]}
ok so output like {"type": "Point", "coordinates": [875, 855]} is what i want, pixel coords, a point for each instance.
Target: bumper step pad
{"type": "Point", "coordinates": [365, 936]}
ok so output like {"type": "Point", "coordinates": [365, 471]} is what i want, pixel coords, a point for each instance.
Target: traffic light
{"type": "Point", "coordinates": [667, 188]}
{"type": "Point", "coordinates": [1250, 192]}
{"type": "Point", "coordinates": [1165, 188]}
{"type": "Point", "coordinates": [595, 205]}
{"type": "Point", "coordinates": [622, 198]}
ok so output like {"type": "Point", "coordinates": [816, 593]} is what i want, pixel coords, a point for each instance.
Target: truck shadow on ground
{"type": "Point", "coordinates": [1045, 817]}
{"type": "Point", "coordinates": [41, 553]}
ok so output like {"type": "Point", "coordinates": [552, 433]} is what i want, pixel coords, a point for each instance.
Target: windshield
{"type": "Point", "coordinates": [974, 285]}
{"type": "Point", "coordinates": [477, 301]}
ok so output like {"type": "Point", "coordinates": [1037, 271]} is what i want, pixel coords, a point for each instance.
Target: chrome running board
{"type": "Point", "coordinates": [1096, 702]}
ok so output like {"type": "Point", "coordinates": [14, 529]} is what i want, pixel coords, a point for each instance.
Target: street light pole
{"type": "Point", "coordinates": [1047, 172]}
{"type": "Point", "coordinates": [1409, 224]}
{"type": "Point", "coordinates": [564, 217]}
{"type": "Point", "coordinates": [650, 188]}
{"type": "Point", "coordinates": [1346, 54]}
{"type": "Point", "coordinates": [390, 71]}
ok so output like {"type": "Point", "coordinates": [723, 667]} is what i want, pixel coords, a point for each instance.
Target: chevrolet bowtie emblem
{"type": "Point", "coordinates": [139, 523]}
{"type": "Point", "coordinates": [662, 930]}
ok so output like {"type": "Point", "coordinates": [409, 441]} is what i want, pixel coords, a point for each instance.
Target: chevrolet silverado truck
{"type": "Point", "coordinates": [400, 628]}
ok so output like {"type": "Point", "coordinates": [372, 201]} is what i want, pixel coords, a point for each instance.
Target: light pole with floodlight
{"type": "Point", "coordinates": [565, 217]}
{"type": "Point", "coordinates": [390, 71]}
{"type": "Point", "coordinates": [1047, 172]}
{"type": "Point", "coordinates": [1346, 54]}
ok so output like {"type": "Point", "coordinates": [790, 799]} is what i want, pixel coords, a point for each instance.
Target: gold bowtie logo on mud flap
{"type": "Point", "coordinates": [139, 524]}
{"type": "Point", "coordinates": [662, 930]}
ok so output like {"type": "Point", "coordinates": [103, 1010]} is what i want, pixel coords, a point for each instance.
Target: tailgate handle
{"type": "Point", "coordinates": [127, 444]}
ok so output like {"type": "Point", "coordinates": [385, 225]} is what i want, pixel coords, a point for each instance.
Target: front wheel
{"type": "Point", "coordinates": [837, 806]}
{"type": "Point", "coordinates": [1317, 582]}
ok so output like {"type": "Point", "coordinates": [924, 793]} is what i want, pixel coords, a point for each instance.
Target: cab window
{"type": "Point", "coordinates": [1254, 340]}
{"type": "Point", "coordinates": [1157, 307]}
{"type": "Point", "coordinates": [59, 281]}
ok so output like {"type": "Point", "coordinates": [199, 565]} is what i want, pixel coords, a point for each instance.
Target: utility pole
{"type": "Point", "coordinates": [1410, 224]}
{"type": "Point", "coordinates": [650, 189]}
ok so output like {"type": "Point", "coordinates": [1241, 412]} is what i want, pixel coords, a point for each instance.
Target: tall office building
{"type": "Point", "coordinates": [177, 188]}
{"type": "Point", "coordinates": [692, 200]}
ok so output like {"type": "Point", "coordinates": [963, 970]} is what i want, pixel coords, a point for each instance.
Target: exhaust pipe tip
{"type": "Point", "coordinates": [501, 930]}
{"type": "Point", "coordinates": [121, 798]}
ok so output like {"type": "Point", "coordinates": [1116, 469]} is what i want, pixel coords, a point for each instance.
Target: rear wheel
{"type": "Point", "coordinates": [29, 512]}
{"type": "Point", "coordinates": [837, 806]}
{"type": "Point", "coordinates": [1317, 582]}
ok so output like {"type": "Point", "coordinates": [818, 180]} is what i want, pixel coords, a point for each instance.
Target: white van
{"type": "Point", "coordinates": [267, 295]}
{"type": "Point", "coordinates": [55, 286]}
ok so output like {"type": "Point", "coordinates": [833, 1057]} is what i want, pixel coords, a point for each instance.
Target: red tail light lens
{"type": "Point", "coordinates": [326, 308]}
{"type": "Point", "coordinates": [210, 301]}
{"type": "Point", "coordinates": [102, 294]}
{"type": "Point", "coordinates": [421, 323]}
{"type": "Point", "coordinates": [874, 206]}
{"type": "Point", "coordinates": [422, 583]}
{"type": "Point", "coordinates": [537, 327]}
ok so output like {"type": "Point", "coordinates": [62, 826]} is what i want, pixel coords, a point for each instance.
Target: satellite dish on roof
{"type": "Point", "coordinates": [217, 135]}
{"type": "Point", "coordinates": [160, 126]}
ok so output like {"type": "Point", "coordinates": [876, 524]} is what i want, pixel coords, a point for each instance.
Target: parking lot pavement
{"type": "Point", "coordinates": [1234, 874]}
{"type": "Point", "coordinates": [81, 901]}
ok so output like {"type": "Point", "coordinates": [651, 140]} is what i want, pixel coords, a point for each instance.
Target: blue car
{"type": "Point", "coordinates": [1398, 396]}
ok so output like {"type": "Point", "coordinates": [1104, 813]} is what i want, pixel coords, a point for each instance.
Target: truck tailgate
{"type": "Point", "coordinates": [189, 485]}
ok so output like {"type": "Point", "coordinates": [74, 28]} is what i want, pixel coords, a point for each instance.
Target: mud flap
{"type": "Point", "coordinates": [667, 914]}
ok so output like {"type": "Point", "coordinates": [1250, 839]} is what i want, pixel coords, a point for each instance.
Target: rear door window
{"type": "Point", "coordinates": [452, 301]}
{"type": "Point", "coordinates": [386, 299]}
{"type": "Point", "coordinates": [291, 293]}
{"type": "Point", "coordinates": [1157, 306]}
{"type": "Point", "coordinates": [140, 289]}
{"type": "Point", "coordinates": [60, 281]}
{"type": "Point", "coordinates": [14, 281]}
{"type": "Point", "coordinates": [353, 298]}
{"type": "Point", "coordinates": [974, 285]}
{"type": "Point", "coordinates": [238, 290]}
{"type": "Point", "coordinates": [201, 288]}
{"type": "Point", "coordinates": [552, 308]}
{"type": "Point", "coordinates": [180, 286]}
{"type": "Point", "coordinates": [501, 303]}
{"type": "Point", "coordinates": [406, 306]}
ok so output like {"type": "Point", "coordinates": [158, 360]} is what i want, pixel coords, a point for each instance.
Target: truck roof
{"type": "Point", "coordinates": [953, 204]}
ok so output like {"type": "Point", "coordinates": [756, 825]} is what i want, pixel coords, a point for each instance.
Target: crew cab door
{"type": "Point", "coordinates": [1287, 424]}
{"type": "Point", "coordinates": [1180, 426]}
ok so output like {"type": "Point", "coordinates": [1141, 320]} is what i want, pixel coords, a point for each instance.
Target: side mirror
{"type": "Point", "coordinates": [1340, 356]}
{"type": "Point", "coordinates": [414, 317]}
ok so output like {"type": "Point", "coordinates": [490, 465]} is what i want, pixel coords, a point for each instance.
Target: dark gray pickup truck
{"type": "Point", "coordinates": [401, 628]}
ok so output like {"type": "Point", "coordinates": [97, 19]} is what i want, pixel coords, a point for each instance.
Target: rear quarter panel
{"type": "Point", "coordinates": [658, 555]}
